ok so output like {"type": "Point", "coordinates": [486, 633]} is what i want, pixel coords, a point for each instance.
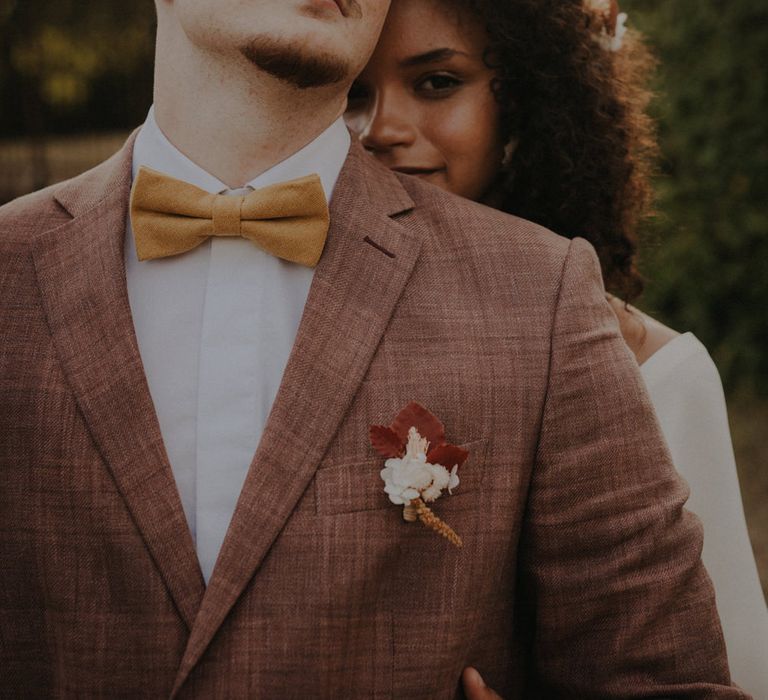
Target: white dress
{"type": "Point", "coordinates": [687, 393]}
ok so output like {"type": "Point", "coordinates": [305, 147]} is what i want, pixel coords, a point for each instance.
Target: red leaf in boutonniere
{"type": "Point", "coordinates": [414, 415]}
{"type": "Point", "coordinates": [420, 465]}
{"type": "Point", "coordinates": [386, 441]}
{"type": "Point", "coordinates": [447, 454]}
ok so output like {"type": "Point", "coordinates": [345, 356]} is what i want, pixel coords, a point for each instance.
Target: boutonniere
{"type": "Point", "coordinates": [420, 465]}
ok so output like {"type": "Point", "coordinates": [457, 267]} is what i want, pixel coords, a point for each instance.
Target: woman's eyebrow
{"type": "Point", "coordinates": [431, 57]}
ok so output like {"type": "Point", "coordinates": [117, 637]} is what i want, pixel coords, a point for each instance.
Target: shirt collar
{"type": "Point", "coordinates": [325, 155]}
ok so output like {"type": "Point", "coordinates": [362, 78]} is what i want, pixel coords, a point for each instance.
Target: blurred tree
{"type": "Point", "coordinates": [74, 66]}
{"type": "Point", "coordinates": [707, 265]}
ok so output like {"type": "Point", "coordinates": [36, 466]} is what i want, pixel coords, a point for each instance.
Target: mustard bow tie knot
{"type": "Point", "coordinates": [289, 220]}
{"type": "Point", "coordinates": [226, 214]}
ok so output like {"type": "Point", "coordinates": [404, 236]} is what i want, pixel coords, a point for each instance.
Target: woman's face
{"type": "Point", "coordinates": [423, 105]}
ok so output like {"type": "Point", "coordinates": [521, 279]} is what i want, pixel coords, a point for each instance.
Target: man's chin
{"type": "Point", "coordinates": [296, 65]}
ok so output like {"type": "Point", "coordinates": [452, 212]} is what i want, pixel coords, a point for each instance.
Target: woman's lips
{"type": "Point", "coordinates": [330, 5]}
{"type": "Point", "coordinates": [349, 8]}
{"type": "Point", "coordinates": [416, 170]}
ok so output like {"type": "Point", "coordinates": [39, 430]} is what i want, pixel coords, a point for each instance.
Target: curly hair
{"type": "Point", "coordinates": [585, 145]}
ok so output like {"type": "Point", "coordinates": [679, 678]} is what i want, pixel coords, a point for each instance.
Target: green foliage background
{"type": "Point", "coordinates": [68, 66]}
{"type": "Point", "coordinates": [74, 66]}
{"type": "Point", "coordinates": [706, 253]}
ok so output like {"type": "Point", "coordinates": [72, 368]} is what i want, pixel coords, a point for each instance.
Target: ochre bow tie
{"type": "Point", "coordinates": [289, 219]}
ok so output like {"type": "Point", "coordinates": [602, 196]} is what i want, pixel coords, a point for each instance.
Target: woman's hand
{"type": "Point", "coordinates": [474, 686]}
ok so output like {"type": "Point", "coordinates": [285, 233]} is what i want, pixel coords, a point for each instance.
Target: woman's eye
{"type": "Point", "coordinates": [438, 84]}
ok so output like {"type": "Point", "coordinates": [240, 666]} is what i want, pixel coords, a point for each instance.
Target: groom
{"type": "Point", "coordinates": [190, 505]}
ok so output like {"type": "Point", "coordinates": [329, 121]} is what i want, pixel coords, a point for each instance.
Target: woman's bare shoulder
{"type": "Point", "coordinates": [643, 334]}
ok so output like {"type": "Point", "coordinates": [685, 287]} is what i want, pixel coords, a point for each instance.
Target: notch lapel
{"type": "Point", "coordinates": [81, 276]}
{"type": "Point", "coordinates": [368, 259]}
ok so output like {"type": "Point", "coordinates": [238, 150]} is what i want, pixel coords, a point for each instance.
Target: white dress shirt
{"type": "Point", "coordinates": [215, 327]}
{"type": "Point", "coordinates": [686, 392]}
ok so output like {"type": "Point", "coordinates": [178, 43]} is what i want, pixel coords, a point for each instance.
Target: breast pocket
{"type": "Point", "coordinates": [351, 487]}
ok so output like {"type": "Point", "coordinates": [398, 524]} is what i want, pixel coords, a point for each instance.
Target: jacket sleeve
{"type": "Point", "coordinates": [619, 602]}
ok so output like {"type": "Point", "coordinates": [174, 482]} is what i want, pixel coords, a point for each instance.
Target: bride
{"type": "Point", "coordinates": [536, 107]}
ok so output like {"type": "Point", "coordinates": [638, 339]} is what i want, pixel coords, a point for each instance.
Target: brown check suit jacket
{"type": "Point", "coordinates": [580, 575]}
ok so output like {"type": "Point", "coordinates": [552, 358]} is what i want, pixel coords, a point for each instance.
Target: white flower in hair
{"type": "Point", "coordinates": [613, 25]}
{"type": "Point", "coordinates": [614, 42]}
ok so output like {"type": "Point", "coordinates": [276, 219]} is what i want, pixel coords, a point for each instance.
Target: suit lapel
{"type": "Point", "coordinates": [366, 263]}
{"type": "Point", "coordinates": [81, 277]}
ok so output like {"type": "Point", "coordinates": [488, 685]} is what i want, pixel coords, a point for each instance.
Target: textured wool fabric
{"type": "Point", "coordinates": [580, 574]}
{"type": "Point", "coordinates": [289, 220]}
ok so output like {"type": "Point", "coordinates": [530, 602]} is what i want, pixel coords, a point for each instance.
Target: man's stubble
{"type": "Point", "coordinates": [296, 65]}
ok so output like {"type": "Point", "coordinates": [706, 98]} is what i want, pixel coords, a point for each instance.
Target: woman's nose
{"type": "Point", "coordinates": [387, 126]}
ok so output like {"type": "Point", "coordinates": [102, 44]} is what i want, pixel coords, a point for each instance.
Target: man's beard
{"type": "Point", "coordinates": [294, 64]}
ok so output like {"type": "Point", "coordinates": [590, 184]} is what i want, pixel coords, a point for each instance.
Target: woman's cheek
{"type": "Point", "coordinates": [467, 143]}
{"type": "Point", "coordinates": [458, 129]}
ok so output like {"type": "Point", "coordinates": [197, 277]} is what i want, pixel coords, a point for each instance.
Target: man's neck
{"type": "Point", "coordinates": [237, 123]}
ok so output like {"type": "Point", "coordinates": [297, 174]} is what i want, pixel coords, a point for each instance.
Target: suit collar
{"type": "Point", "coordinates": [114, 176]}
{"type": "Point", "coordinates": [372, 181]}
{"type": "Point", "coordinates": [83, 193]}
{"type": "Point", "coordinates": [366, 264]}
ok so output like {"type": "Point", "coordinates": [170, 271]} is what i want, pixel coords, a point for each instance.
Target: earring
{"type": "Point", "coordinates": [509, 151]}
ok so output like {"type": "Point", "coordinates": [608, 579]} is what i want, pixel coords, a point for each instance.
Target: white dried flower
{"type": "Point", "coordinates": [609, 38]}
{"type": "Point", "coordinates": [411, 476]}
{"type": "Point", "coordinates": [614, 42]}
{"type": "Point", "coordinates": [440, 479]}
{"type": "Point", "coordinates": [454, 481]}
